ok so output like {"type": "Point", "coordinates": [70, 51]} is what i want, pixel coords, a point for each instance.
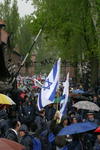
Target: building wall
{"type": "Point", "coordinates": [65, 70]}
{"type": "Point", "coordinates": [15, 60]}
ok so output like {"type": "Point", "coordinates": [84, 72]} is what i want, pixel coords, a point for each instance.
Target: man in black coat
{"type": "Point", "coordinates": [50, 112]}
{"type": "Point", "coordinates": [41, 121]}
{"type": "Point", "coordinates": [4, 121]}
{"type": "Point", "coordinates": [12, 133]}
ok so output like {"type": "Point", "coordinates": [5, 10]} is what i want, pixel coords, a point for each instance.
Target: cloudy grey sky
{"type": "Point", "coordinates": [23, 7]}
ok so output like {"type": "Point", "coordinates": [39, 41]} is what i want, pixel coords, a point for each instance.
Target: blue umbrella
{"type": "Point", "coordinates": [78, 128]}
{"type": "Point", "coordinates": [78, 91]}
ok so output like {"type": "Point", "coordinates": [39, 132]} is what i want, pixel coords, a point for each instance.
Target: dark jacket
{"type": "Point", "coordinates": [41, 123]}
{"type": "Point", "coordinates": [97, 146]}
{"type": "Point", "coordinates": [26, 113]}
{"type": "Point", "coordinates": [75, 145]}
{"type": "Point", "coordinates": [89, 140]}
{"type": "Point", "coordinates": [3, 114]}
{"type": "Point", "coordinates": [10, 134]}
{"type": "Point", "coordinates": [27, 142]}
{"type": "Point", "coordinates": [50, 112]}
{"type": "Point", "coordinates": [4, 126]}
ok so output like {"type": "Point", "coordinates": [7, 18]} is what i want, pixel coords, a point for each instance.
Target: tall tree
{"type": "Point", "coordinates": [9, 13]}
{"type": "Point", "coordinates": [72, 28]}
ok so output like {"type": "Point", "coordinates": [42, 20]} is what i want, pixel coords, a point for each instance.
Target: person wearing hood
{"type": "Point", "coordinates": [4, 121]}
{"type": "Point", "coordinates": [25, 138]}
{"type": "Point", "coordinates": [64, 122]}
{"type": "Point", "coordinates": [91, 117]}
{"type": "Point", "coordinates": [41, 121]}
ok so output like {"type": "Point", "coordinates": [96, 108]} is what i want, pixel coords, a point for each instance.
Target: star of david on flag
{"type": "Point", "coordinates": [48, 84]}
{"type": "Point", "coordinates": [49, 88]}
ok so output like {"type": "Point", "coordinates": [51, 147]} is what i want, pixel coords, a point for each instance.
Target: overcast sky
{"type": "Point", "coordinates": [23, 7]}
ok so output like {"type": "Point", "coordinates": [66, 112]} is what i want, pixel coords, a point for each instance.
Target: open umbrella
{"type": "Point", "coordinates": [86, 105]}
{"type": "Point", "coordinates": [6, 144]}
{"type": "Point", "coordinates": [78, 91]}
{"type": "Point", "coordinates": [97, 130]}
{"type": "Point", "coordinates": [6, 100]}
{"type": "Point", "coordinates": [77, 128]}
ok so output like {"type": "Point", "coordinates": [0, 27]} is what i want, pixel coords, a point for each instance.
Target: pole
{"type": "Point", "coordinates": [24, 60]}
{"type": "Point", "coordinates": [58, 92]}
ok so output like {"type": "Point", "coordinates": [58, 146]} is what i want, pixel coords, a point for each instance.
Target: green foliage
{"type": "Point", "coordinates": [25, 35]}
{"type": "Point", "coordinates": [68, 32]}
{"type": "Point", "coordinates": [9, 13]}
{"type": "Point", "coordinates": [69, 27]}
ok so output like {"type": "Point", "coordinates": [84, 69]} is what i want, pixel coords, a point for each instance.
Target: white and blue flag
{"type": "Point", "coordinates": [49, 88]}
{"type": "Point", "coordinates": [63, 102]}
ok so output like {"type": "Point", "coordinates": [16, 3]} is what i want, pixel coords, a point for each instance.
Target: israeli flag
{"type": "Point", "coordinates": [63, 102]}
{"type": "Point", "coordinates": [49, 88]}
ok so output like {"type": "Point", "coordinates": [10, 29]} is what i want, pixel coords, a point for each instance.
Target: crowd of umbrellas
{"type": "Point", "coordinates": [29, 84]}
{"type": "Point", "coordinates": [77, 128]}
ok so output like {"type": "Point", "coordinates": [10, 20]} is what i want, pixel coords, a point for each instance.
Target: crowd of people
{"type": "Point", "coordinates": [38, 130]}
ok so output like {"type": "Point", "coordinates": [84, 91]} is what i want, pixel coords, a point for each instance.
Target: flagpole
{"type": "Point", "coordinates": [57, 98]}
{"type": "Point", "coordinates": [29, 50]}
{"type": "Point", "coordinates": [24, 60]}
{"type": "Point", "coordinates": [66, 93]}
{"type": "Point", "coordinates": [58, 86]}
